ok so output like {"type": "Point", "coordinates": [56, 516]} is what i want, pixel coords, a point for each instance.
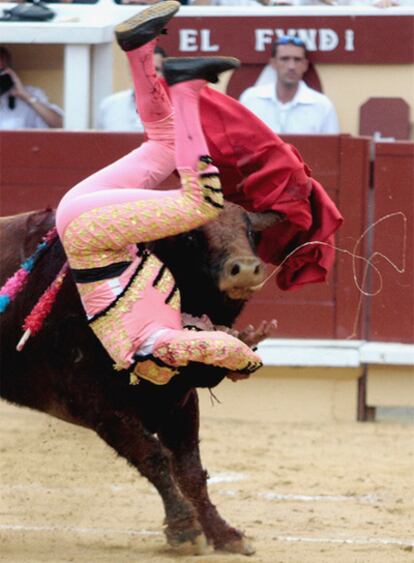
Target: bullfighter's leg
{"type": "Point", "coordinates": [154, 160]}
{"type": "Point", "coordinates": [180, 434]}
{"type": "Point", "coordinates": [128, 437]}
{"type": "Point", "coordinates": [101, 216]}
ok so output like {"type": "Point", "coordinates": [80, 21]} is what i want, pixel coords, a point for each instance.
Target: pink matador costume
{"type": "Point", "coordinates": [130, 297]}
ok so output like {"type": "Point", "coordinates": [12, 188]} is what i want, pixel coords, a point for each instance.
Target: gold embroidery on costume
{"type": "Point", "coordinates": [102, 236]}
{"type": "Point", "coordinates": [148, 369]}
{"type": "Point", "coordinates": [109, 326]}
{"type": "Point", "coordinates": [166, 283]}
{"type": "Point", "coordinates": [175, 301]}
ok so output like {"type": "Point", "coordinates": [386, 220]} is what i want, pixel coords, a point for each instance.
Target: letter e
{"type": "Point", "coordinates": [188, 40]}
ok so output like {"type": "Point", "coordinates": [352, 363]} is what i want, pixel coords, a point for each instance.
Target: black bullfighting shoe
{"type": "Point", "coordinates": [146, 25]}
{"type": "Point", "coordinates": [191, 68]}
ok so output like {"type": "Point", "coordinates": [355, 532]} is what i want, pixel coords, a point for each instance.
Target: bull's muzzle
{"type": "Point", "coordinates": [242, 276]}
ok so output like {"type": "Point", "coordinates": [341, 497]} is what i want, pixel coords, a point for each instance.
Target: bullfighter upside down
{"type": "Point", "coordinates": [130, 298]}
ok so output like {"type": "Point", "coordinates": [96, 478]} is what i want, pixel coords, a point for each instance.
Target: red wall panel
{"type": "Point", "coordinates": [392, 310]}
{"type": "Point", "coordinates": [353, 201]}
{"type": "Point", "coordinates": [37, 168]}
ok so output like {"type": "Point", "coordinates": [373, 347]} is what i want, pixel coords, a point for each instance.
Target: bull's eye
{"type": "Point", "coordinates": [235, 270]}
{"type": "Point", "coordinates": [256, 238]}
{"type": "Point", "coordinates": [253, 236]}
{"type": "Point", "coordinates": [257, 269]}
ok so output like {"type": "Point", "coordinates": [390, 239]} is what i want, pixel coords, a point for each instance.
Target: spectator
{"type": "Point", "coordinates": [117, 112]}
{"type": "Point", "coordinates": [288, 105]}
{"type": "Point", "coordinates": [22, 106]}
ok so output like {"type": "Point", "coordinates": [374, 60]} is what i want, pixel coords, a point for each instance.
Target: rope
{"type": "Point", "coordinates": [355, 257]}
{"type": "Point", "coordinates": [368, 261]}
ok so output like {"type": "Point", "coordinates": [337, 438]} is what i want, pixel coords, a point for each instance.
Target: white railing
{"type": "Point", "coordinates": [334, 353]}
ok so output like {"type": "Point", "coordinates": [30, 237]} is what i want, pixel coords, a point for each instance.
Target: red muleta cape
{"type": "Point", "coordinates": [261, 172]}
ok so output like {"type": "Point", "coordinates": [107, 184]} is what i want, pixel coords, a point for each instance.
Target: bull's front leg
{"type": "Point", "coordinates": [128, 437]}
{"type": "Point", "coordinates": [180, 434]}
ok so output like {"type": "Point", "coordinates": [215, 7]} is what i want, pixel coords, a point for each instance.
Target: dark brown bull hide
{"type": "Point", "coordinates": [64, 371]}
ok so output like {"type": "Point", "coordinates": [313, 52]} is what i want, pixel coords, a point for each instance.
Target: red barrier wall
{"type": "Point", "coordinates": [392, 311]}
{"type": "Point", "coordinates": [37, 168]}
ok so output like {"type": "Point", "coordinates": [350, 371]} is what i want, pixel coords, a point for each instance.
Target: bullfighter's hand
{"type": "Point", "coordinates": [253, 336]}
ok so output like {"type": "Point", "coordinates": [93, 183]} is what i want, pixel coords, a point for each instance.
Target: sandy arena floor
{"type": "Point", "coordinates": [304, 493]}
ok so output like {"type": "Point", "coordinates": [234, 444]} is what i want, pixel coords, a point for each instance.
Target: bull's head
{"type": "Point", "coordinates": [216, 266]}
{"type": "Point", "coordinates": [232, 240]}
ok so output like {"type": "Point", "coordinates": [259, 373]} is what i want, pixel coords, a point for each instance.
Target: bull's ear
{"type": "Point", "coordinates": [261, 220]}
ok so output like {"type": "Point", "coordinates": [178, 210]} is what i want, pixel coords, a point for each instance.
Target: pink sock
{"type": "Point", "coordinates": [150, 97]}
{"type": "Point", "coordinates": [190, 142]}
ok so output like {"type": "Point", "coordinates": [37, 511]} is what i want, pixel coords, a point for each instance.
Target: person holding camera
{"type": "Point", "coordinates": [21, 106]}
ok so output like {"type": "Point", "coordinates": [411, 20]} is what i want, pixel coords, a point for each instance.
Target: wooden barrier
{"type": "Point", "coordinates": [392, 311]}
{"type": "Point", "coordinates": [38, 167]}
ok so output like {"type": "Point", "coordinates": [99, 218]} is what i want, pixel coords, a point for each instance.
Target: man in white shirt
{"type": "Point", "coordinates": [288, 105]}
{"type": "Point", "coordinates": [21, 106]}
{"type": "Point", "coordinates": [118, 112]}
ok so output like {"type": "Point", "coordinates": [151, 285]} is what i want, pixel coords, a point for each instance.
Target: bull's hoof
{"type": "Point", "coordinates": [196, 545]}
{"type": "Point", "coordinates": [238, 546]}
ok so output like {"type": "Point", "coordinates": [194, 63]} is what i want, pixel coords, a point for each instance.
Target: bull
{"type": "Point", "coordinates": [65, 372]}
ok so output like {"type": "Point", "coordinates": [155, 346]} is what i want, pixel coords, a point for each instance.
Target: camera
{"type": "Point", "coordinates": [6, 82]}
